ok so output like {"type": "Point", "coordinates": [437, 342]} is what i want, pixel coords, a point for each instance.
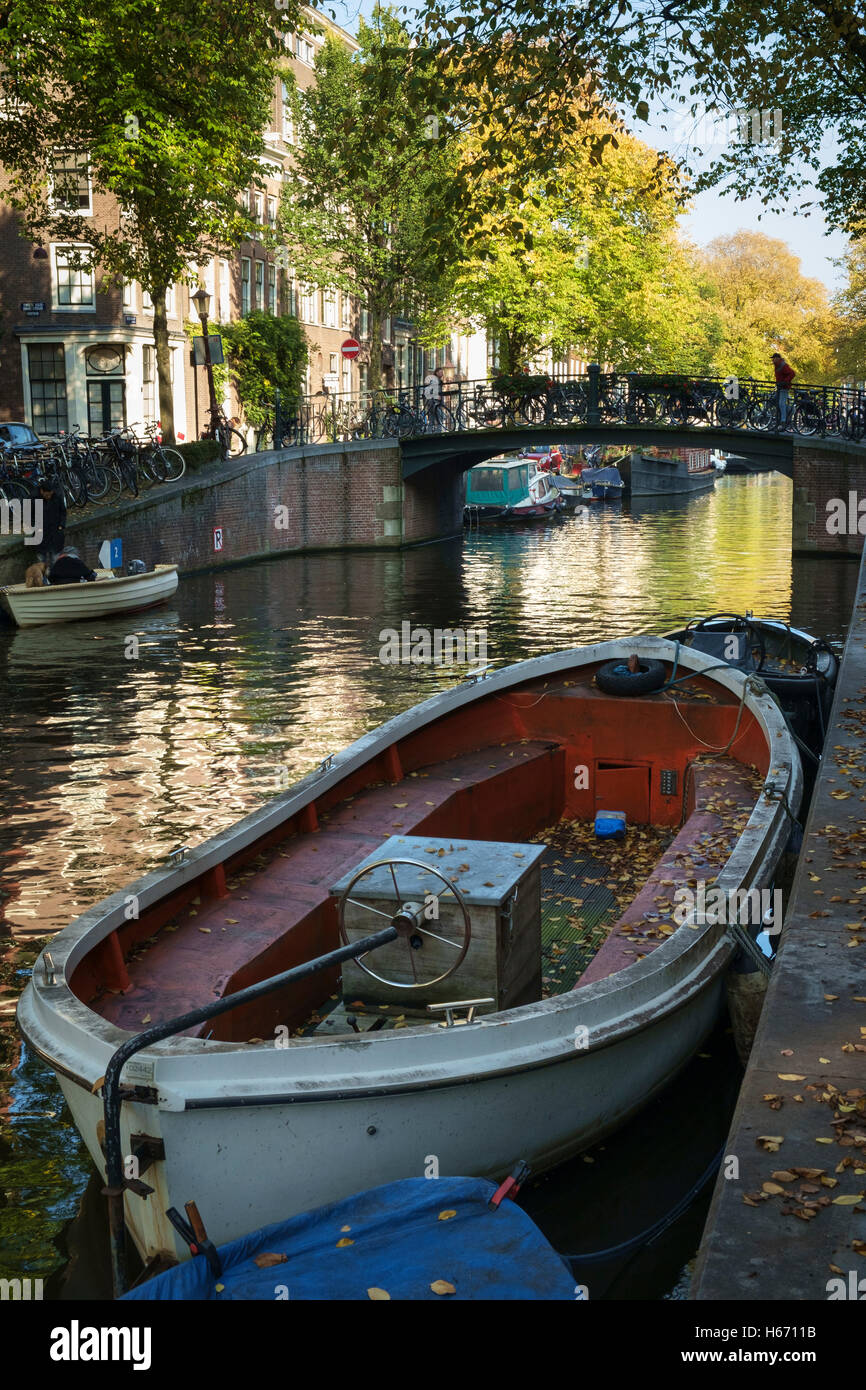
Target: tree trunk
{"type": "Point", "coordinates": [163, 363]}
{"type": "Point", "coordinates": [374, 371]}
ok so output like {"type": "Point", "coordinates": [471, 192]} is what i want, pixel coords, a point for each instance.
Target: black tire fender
{"type": "Point", "coordinates": [614, 677]}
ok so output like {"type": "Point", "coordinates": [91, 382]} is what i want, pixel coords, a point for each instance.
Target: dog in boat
{"type": "Point", "coordinates": [34, 575]}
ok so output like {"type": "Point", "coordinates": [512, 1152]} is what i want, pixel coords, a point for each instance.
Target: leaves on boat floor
{"type": "Point", "coordinates": [586, 885]}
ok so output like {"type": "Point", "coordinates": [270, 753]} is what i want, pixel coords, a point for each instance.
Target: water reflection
{"type": "Point", "coordinates": [111, 760]}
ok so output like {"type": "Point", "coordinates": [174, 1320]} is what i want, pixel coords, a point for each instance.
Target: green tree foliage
{"type": "Point", "coordinates": [765, 304]}
{"type": "Point", "coordinates": [265, 354]}
{"type": "Point", "coordinates": [805, 57]}
{"type": "Point", "coordinates": [366, 209]}
{"type": "Point", "coordinates": [595, 263]}
{"type": "Point", "coordinates": [850, 306]}
{"type": "Point", "coordinates": [168, 100]}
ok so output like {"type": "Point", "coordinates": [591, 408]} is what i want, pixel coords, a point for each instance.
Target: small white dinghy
{"type": "Point", "coordinates": [105, 597]}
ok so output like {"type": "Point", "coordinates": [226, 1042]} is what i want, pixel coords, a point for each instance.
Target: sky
{"type": "Point", "coordinates": [712, 213]}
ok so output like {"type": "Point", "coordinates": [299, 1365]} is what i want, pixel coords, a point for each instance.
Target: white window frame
{"type": "Point", "coordinates": [330, 311]}
{"type": "Point", "coordinates": [272, 209]}
{"type": "Point", "coordinates": [246, 286]}
{"type": "Point", "coordinates": [288, 123]}
{"type": "Point", "coordinates": [260, 284]}
{"type": "Point", "coordinates": [55, 279]}
{"type": "Point", "coordinates": [272, 288]}
{"type": "Point", "coordinates": [129, 295]}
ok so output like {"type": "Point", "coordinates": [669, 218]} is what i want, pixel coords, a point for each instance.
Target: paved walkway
{"type": "Point", "coordinates": [793, 1219]}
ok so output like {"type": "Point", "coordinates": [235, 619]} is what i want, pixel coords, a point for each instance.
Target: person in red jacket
{"type": "Point", "coordinates": [784, 376]}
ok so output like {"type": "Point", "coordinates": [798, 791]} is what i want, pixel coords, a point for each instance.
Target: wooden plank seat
{"type": "Point", "coordinates": [283, 914]}
{"type": "Point", "coordinates": [724, 793]}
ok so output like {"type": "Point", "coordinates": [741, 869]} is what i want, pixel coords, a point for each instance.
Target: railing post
{"type": "Point", "coordinates": [278, 419]}
{"type": "Point", "coordinates": [593, 414]}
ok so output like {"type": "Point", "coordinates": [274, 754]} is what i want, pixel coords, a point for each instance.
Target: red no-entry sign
{"type": "Point", "coordinates": [351, 347]}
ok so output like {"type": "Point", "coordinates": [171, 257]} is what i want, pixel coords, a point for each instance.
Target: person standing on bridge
{"type": "Point", "coordinates": [784, 376]}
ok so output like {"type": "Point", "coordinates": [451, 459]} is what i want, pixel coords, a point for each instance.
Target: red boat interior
{"type": "Point", "coordinates": [535, 763]}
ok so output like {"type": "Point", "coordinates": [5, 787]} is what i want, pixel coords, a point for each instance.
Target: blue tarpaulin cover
{"type": "Point", "coordinates": [399, 1245]}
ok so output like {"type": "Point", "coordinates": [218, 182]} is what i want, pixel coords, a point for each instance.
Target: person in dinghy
{"type": "Point", "coordinates": [69, 568]}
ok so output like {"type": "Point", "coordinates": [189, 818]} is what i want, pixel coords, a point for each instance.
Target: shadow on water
{"type": "Point", "coordinates": [114, 758]}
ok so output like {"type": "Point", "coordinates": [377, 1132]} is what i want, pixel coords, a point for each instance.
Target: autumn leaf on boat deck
{"type": "Point", "coordinates": [345, 1241]}
{"type": "Point", "coordinates": [441, 1286]}
{"type": "Point", "coordinates": [446, 1215]}
{"type": "Point", "coordinates": [770, 1142]}
{"type": "Point", "coordinates": [378, 1295]}
{"type": "Point", "coordinates": [269, 1258]}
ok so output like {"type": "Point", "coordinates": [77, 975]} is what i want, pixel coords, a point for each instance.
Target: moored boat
{"type": "Point", "coordinates": [542, 988]}
{"type": "Point", "coordinates": [603, 484]}
{"type": "Point", "coordinates": [509, 489]}
{"type": "Point", "coordinates": [798, 668]}
{"type": "Point", "coordinates": [104, 597]}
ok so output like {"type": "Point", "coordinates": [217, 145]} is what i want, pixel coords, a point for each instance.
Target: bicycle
{"type": "Point", "coordinates": [232, 443]}
{"type": "Point", "coordinates": [163, 464]}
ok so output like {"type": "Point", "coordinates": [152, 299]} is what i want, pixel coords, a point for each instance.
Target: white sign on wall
{"type": "Point", "coordinates": [217, 538]}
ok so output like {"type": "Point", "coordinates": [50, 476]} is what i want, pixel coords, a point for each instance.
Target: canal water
{"type": "Point", "coordinates": [124, 739]}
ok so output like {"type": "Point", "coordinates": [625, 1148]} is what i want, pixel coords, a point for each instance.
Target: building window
{"type": "Point", "coordinates": [148, 382]}
{"type": "Point", "coordinates": [329, 306]}
{"type": "Point", "coordinates": [365, 323]}
{"type": "Point", "coordinates": [308, 299]}
{"type": "Point", "coordinates": [288, 123]}
{"type": "Point", "coordinates": [70, 178]}
{"type": "Point", "coordinates": [224, 308]}
{"type": "Point", "coordinates": [146, 302]}
{"type": "Point", "coordinates": [333, 360]}
{"type": "Point", "coordinates": [170, 301]}
{"type": "Point", "coordinates": [294, 306]}
{"type": "Point", "coordinates": [272, 289]}
{"type": "Point", "coordinates": [46, 364]}
{"type": "Point", "coordinates": [386, 330]}
{"type": "Point", "coordinates": [245, 286]}
{"type": "Point", "coordinates": [346, 302]}
{"type": "Point", "coordinates": [129, 295]}
{"type": "Point", "coordinates": [272, 211]}
{"type": "Point", "coordinates": [258, 207]}
{"type": "Point", "coordinates": [260, 285]}
{"type": "Point", "coordinates": [74, 279]}
{"type": "Point", "coordinates": [363, 376]}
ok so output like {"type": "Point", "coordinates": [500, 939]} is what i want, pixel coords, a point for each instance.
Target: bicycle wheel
{"type": "Point", "coordinates": [233, 442]}
{"type": "Point", "coordinates": [129, 476]}
{"type": "Point", "coordinates": [172, 464]}
{"type": "Point", "coordinates": [98, 482]}
{"type": "Point", "coordinates": [764, 415]}
{"type": "Point", "coordinates": [806, 417]}
{"type": "Point", "coordinates": [75, 487]}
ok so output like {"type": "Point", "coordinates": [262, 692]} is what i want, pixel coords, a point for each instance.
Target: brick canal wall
{"type": "Point", "coordinates": [323, 497]}
{"type": "Point", "coordinates": [829, 485]}
{"type": "Point", "coordinates": [788, 1215]}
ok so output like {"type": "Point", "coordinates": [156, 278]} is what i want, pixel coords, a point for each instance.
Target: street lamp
{"type": "Point", "coordinates": [201, 300]}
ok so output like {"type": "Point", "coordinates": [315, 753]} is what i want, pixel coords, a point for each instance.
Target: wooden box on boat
{"type": "Point", "coordinates": [500, 883]}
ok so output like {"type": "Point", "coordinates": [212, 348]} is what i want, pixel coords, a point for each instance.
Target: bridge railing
{"type": "Point", "coordinates": [650, 400]}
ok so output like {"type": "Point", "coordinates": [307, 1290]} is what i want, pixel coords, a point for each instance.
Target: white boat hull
{"type": "Point", "coordinates": [101, 598]}
{"type": "Point", "coordinates": [255, 1132]}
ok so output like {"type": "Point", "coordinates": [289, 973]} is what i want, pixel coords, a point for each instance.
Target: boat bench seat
{"type": "Point", "coordinates": [723, 791]}
{"type": "Point", "coordinates": [283, 914]}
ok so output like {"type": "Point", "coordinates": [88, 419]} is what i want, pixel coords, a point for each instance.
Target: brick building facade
{"type": "Point", "coordinates": [76, 349]}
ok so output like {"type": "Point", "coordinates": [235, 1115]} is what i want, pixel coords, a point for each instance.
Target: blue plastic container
{"type": "Point", "coordinates": [610, 825]}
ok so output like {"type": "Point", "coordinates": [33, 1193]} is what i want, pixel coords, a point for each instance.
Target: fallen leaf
{"type": "Point", "coordinates": [146, 1018]}
{"type": "Point", "coordinates": [849, 1199]}
{"type": "Point", "coordinates": [446, 1215]}
{"type": "Point", "coordinates": [345, 1241]}
{"type": "Point", "coordinates": [379, 1295]}
{"type": "Point", "coordinates": [441, 1286]}
{"type": "Point", "coordinates": [268, 1258]}
{"type": "Point", "coordinates": [790, 1076]}
{"type": "Point", "coordinates": [206, 930]}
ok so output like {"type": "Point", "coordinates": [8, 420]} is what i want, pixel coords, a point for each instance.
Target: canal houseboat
{"type": "Point", "coordinates": [427, 951]}
{"type": "Point", "coordinates": [509, 489]}
{"type": "Point", "coordinates": [104, 597]}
